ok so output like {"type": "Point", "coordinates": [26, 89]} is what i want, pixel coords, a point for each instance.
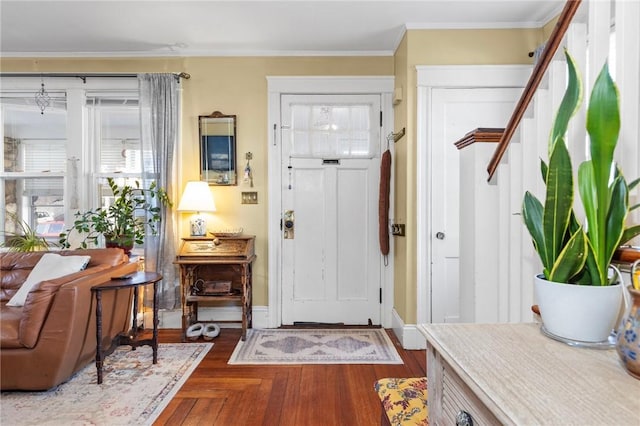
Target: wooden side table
{"type": "Point", "coordinates": [135, 280]}
{"type": "Point", "coordinates": [209, 259]}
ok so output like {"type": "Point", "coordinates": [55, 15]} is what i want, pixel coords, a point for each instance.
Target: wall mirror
{"type": "Point", "coordinates": [218, 148]}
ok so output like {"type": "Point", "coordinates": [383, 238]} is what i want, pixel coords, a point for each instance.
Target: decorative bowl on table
{"type": "Point", "coordinates": [231, 232]}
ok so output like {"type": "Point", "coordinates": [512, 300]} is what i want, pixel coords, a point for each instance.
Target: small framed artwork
{"type": "Point", "coordinates": [218, 148]}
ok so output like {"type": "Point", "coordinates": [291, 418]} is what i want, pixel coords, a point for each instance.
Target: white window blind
{"type": "Point", "coordinates": [44, 155]}
{"type": "Point", "coordinates": [52, 186]}
{"type": "Point", "coordinates": [35, 141]}
{"type": "Point", "coordinates": [115, 121]}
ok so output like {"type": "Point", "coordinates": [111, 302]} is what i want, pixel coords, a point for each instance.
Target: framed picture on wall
{"type": "Point", "coordinates": [218, 148]}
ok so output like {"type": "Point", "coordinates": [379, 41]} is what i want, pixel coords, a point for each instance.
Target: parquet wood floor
{"type": "Point", "coordinates": [296, 395]}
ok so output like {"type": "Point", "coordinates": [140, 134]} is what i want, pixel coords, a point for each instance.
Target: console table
{"type": "Point", "coordinates": [512, 374]}
{"type": "Point", "coordinates": [207, 261]}
{"type": "Point", "coordinates": [135, 281]}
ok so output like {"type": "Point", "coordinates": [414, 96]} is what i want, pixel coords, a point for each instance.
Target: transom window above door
{"type": "Point", "coordinates": [320, 130]}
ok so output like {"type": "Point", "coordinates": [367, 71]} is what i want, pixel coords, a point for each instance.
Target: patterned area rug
{"type": "Point", "coordinates": [133, 391]}
{"type": "Point", "coordinates": [308, 346]}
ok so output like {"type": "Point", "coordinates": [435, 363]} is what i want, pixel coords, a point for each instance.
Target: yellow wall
{"type": "Point", "coordinates": [238, 85]}
{"type": "Point", "coordinates": [401, 174]}
{"type": "Point", "coordinates": [549, 27]}
{"type": "Point", "coordinates": [231, 85]}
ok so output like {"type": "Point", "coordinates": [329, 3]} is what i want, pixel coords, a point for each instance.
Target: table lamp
{"type": "Point", "coordinates": [197, 197]}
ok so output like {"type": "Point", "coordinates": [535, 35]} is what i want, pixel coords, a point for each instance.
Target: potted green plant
{"type": "Point", "coordinates": [573, 254]}
{"type": "Point", "coordinates": [124, 222]}
{"type": "Point", "coordinates": [26, 239]}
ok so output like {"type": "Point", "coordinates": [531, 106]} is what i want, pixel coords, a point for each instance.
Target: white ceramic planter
{"type": "Point", "coordinates": [578, 312]}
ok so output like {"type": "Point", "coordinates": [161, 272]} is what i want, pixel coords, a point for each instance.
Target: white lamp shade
{"type": "Point", "coordinates": [197, 197]}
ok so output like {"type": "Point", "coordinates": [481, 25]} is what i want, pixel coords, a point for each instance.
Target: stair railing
{"type": "Point", "coordinates": [568, 12]}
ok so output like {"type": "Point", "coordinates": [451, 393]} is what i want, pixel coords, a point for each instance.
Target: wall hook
{"type": "Point", "coordinates": [396, 136]}
{"type": "Point", "coordinates": [248, 173]}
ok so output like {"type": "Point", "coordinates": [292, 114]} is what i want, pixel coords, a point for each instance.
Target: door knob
{"type": "Point", "coordinates": [289, 224]}
{"type": "Point", "coordinates": [440, 235]}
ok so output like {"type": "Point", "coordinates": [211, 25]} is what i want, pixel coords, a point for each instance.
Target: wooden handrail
{"type": "Point", "coordinates": [481, 134]}
{"type": "Point", "coordinates": [570, 8]}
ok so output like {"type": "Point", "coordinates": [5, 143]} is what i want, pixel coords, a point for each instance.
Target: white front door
{"type": "Point", "coordinates": [455, 112]}
{"type": "Point", "coordinates": [331, 263]}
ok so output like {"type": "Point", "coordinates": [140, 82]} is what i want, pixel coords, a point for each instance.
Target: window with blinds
{"type": "Point", "coordinates": [40, 165]}
{"type": "Point", "coordinates": [34, 162]}
{"type": "Point", "coordinates": [114, 120]}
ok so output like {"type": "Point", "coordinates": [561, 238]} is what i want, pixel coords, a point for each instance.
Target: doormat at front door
{"type": "Point", "coordinates": [316, 346]}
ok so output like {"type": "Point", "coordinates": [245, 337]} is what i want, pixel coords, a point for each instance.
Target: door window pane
{"type": "Point", "coordinates": [335, 131]}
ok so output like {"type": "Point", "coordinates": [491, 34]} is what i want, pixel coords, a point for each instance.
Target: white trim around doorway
{"type": "Point", "coordinates": [428, 79]}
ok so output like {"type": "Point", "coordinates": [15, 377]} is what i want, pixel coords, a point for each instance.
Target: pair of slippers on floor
{"type": "Point", "coordinates": [208, 332]}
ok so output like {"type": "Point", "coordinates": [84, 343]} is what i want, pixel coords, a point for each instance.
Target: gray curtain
{"type": "Point", "coordinates": [159, 109]}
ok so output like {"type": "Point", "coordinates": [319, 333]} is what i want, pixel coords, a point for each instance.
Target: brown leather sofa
{"type": "Point", "coordinates": [54, 334]}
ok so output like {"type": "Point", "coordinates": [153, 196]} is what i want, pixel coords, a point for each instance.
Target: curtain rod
{"type": "Point", "coordinates": [84, 76]}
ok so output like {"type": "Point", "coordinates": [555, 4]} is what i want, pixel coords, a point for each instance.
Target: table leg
{"type": "Point", "coordinates": [245, 301]}
{"type": "Point", "coordinates": [243, 279]}
{"type": "Point", "coordinates": [186, 275]}
{"type": "Point", "coordinates": [134, 331]}
{"type": "Point", "coordinates": [99, 357]}
{"type": "Point", "coordinates": [154, 341]}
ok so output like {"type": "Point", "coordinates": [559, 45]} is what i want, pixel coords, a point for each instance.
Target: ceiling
{"type": "Point", "coordinates": [244, 28]}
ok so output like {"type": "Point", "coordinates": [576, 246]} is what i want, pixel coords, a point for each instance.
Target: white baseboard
{"type": "Point", "coordinates": [170, 318]}
{"type": "Point", "coordinates": [173, 318]}
{"type": "Point", "coordinates": [260, 317]}
{"type": "Point", "coordinates": [408, 334]}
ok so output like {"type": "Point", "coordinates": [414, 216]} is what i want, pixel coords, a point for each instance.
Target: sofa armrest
{"type": "Point", "coordinates": [38, 303]}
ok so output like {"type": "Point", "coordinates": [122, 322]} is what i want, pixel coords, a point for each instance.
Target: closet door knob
{"type": "Point", "coordinates": [440, 235]}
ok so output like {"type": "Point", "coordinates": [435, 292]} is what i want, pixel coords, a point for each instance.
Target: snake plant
{"type": "Point", "coordinates": [571, 252]}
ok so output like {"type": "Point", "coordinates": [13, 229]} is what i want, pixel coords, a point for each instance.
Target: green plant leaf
{"type": "Point", "coordinates": [603, 122]}
{"type": "Point", "coordinates": [587, 190]}
{"type": "Point", "coordinates": [571, 260]}
{"type": "Point", "coordinates": [616, 217]}
{"type": "Point", "coordinates": [544, 169]}
{"type": "Point", "coordinates": [593, 270]}
{"type": "Point", "coordinates": [631, 185]}
{"type": "Point", "coordinates": [532, 213]}
{"type": "Point", "coordinates": [559, 200]}
{"type": "Point", "coordinates": [603, 126]}
{"type": "Point", "coordinates": [588, 194]}
{"type": "Point", "coordinates": [569, 105]}
{"type": "Point", "coordinates": [629, 234]}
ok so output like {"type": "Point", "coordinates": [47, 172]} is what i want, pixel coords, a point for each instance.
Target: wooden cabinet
{"type": "Point", "coordinates": [216, 272]}
{"type": "Point", "coordinates": [512, 374]}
